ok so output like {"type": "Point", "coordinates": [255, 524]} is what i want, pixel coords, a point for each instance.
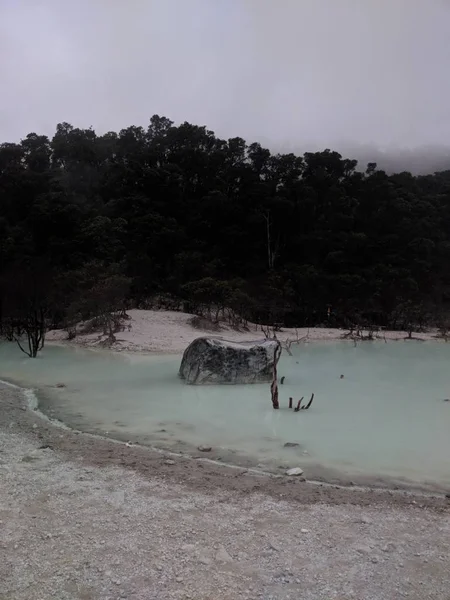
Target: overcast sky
{"type": "Point", "coordinates": [289, 73]}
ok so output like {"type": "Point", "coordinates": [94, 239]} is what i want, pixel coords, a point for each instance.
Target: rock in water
{"type": "Point", "coordinates": [296, 471]}
{"type": "Point", "coordinates": [215, 361]}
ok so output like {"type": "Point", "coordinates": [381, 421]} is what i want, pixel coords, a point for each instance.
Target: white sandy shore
{"type": "Point", "coordinates": [171, 332]}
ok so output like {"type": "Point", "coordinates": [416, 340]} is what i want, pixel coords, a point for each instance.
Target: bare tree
{"type": "Point", "coordinates": [297, 340]}
{"type": "Point", "coordinates": [26, 304]}
{"type": "Point", "coordinates": [101, 296]}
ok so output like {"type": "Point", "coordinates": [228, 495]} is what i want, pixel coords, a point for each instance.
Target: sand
{"type": "Point", "coordinates": [82, 517]}
{"type": "Point", "coordinates": [170, 332]}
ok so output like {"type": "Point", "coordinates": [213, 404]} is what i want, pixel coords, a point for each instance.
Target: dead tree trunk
{"type": "Point", "coordinates": [274, 385]}
{"type": "Point", "coordinates": [269, 240]}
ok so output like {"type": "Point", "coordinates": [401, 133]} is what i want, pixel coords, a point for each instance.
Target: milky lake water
{"type": "Point", "coordinates": [386, 418]}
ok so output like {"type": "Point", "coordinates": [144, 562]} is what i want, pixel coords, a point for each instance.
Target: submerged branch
{"type": "Point", "coordinates": [297, 408]}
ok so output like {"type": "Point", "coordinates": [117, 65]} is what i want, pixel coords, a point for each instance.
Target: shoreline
{"type": "Point", "coordinates": [314, 472]}
{"type": "Point", "coordinates": [170, 332]}
{"type": "Point", "coordinates": [200, 471]}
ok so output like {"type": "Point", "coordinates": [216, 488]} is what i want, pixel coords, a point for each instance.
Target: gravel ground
{"type": "Point", "coordinates": [82, 518]}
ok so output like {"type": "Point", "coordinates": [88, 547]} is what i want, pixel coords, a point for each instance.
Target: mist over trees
{"type": "Point", "coordinates": [174, 216]}
{"type": "Point", "coordinates": [419, 161]}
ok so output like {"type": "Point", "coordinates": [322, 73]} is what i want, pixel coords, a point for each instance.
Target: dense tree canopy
{"type": "Point", "coordinates": [177, 213]}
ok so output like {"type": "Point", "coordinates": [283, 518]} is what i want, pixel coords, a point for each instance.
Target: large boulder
{"type": "Point", "coordinates": [216, 361]}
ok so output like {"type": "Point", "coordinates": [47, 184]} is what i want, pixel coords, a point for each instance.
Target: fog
{"type": "Point", "coordinates": [365, 77]}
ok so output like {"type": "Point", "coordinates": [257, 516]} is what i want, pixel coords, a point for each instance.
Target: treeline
{"type": "Point", "coordinates": [174, 215]}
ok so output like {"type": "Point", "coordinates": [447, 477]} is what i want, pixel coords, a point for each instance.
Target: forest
{"type": "Point", "coordinates": [174, 217]}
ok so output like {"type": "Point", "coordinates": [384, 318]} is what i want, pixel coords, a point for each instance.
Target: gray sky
{"type": "Point", "coordinates": [289, 73]}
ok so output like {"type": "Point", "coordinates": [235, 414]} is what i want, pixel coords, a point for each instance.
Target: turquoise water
{"type": "Point", "coordinates": [386, 418]}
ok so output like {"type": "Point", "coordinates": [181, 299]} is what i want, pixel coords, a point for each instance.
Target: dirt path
{"type": "Point", "coordinates": [83, 519]}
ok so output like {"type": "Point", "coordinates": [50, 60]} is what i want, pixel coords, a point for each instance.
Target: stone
{"type": "Point", "coordinates": [291, 445]}
{"type": "Point", "coordinates": [296, 471]}
{"type": "Point", "coordinates": [223, 556]}
{"type": "Point", "coordinates": [274, 547]}
{"type": "Point", "coordinates": [210, 360]}
{"type": "Point", "coordinates": [169, 462]}
{"type": "Point", "coordinates": [204, 448]}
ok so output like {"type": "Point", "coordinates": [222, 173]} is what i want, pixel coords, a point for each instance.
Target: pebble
{"type": "Point", "coordinates": [294, 471]}
{"type": "Point", "coordinates": [291, 445]}
{"type": "Point", "coordinates": [304, 530]}
{"type": "Point", "coordinates": [275, 547]}
{"type": "Point", "coordinates": [223, 556]}
{"type": "Point", "coordinates": [204, 448]}
{"type": "Point", "coordinates": [169, 462]}
{"type": "Point", "coordinates": [188, 547]}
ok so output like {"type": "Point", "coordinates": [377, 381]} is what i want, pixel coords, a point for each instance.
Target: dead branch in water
{"type": "Point", "coordinates": [310, 402]}
{"type": "Point", "coordinates": [297, 408]}
{"type": "Point", "coordinates": [274, 385]}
